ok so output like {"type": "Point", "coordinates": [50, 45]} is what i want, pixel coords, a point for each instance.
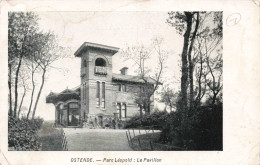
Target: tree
{"type": "Point", "coordinates": [23, 83]}
{"type": "Point", "coordinates": [209, 49]}
{"type": "Point", "coordinates": [21, 27]}
{"type": "Point", "coordinates": [29, 48]}
{"type": "Point", "coordinates": [50, 52]}
{"type": "Point", "coordinates": [198, 27]}
{"type": "Point", "coordinates": [33, 67]}
{"type": "Point", "coordinates": [183, 21]}
{"type": "Point", "coordinates": [140, 55]}
{"type": "Point", "coordinates": [191, 65]}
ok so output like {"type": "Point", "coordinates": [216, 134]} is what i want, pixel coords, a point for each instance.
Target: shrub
{"type": "Point", "coordinates": [22, 133]}
{"type": "Point", "coordinates": [199, 130]}
{"type": "Point", "coordinates": [156, 119]}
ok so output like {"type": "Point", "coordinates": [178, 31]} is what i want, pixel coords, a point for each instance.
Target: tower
{"type": "Point", "coordinates": [96, 80]}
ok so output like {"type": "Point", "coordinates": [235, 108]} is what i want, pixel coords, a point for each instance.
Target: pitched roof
{"type": "Point", "coordinates": [130, 78]}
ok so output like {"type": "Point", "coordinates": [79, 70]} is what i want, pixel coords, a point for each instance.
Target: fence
{"type": "Point", "coordinates": [64, 141]}
{"type": "Point", "coordinates": [146, 143]}
{"type": "Point", "coordinates": [140, 131]}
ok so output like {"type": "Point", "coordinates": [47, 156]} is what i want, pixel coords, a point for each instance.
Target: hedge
{"type": "Point", "coordinates": [22, 134]}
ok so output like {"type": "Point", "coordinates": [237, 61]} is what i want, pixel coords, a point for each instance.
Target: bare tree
{"type": "Point", "coordinates": [209, 58]}
{"type": "Point", "coordinates": [215, 71]}
{"type": "Point", "coordinates": [140, 56]}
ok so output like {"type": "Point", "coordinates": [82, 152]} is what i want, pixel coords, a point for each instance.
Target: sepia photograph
{"type": "Point", "coordinates": [129, 82]}
{"type": "Point", "coordinates": [115, 81]}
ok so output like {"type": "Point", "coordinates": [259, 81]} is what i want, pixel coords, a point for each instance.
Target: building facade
{"type": "Point", "coordinates": [104, 99]}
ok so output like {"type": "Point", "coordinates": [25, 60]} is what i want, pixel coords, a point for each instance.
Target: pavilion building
{"type": "Point", "coordinates": [103, 97]}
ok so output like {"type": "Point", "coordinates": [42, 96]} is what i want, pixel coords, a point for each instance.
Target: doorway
{"type": "Point", "coordinates": [100, 121]}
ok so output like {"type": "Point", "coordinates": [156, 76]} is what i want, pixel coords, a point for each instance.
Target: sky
{"type": "Point", "coordinates": [117, 29]}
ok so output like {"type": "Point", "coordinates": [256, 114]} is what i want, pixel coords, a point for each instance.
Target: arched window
{"type": "Point", "coordinates": [100, 62]}
{"type": "Point", "coordinates": [61, 106]}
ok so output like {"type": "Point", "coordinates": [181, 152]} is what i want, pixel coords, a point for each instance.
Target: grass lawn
{"type": "Point", "coordinates": [50, 138]}
{"type": "Point", "coordinates": [150, 141]}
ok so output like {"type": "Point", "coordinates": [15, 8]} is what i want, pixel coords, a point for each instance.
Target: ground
{"type": "Point", "coordinates": [50, 138]}
{"type": "Point", "coordinates": [96, 139]}
{"type": "Point", "coordinates": [82, 139]}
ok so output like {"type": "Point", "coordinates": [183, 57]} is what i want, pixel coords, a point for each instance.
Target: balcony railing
{"type": "Point", "coordinates": [101, 70]}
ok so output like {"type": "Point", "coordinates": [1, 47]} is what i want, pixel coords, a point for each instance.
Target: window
{"type": "Point", "coordinates": [103, 95]}
{"type": "Point", "coordinates": [123, 88]}
{"type": "Point", "coordinates": [61, 106]}
{"type": "Point", "coordinates": [119, 87]}
{"type": "Point", "coordinates": [83, 92]}
{"type": "Point", "coordinates": [98, 93]}
{"type": "Point", "coordinates": [84, 63]}
{"type": "Point", "coordinates": [123, 111]}
{"type": "Point", "coordinates": [118, 107]}
{"type": "Point", "coordinates": [100, 62]}
{"type": "Point", "coordinates": [73, 105]}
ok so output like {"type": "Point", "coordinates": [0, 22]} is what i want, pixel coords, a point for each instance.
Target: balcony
{"type": "Point", "coordinates": [100, 70]}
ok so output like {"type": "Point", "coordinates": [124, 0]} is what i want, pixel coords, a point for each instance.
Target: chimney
{"type": "Point", "coordinates": [124, 70]}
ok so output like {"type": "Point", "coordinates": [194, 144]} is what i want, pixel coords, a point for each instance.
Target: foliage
{"type": "Point", "coordinates": [30, 51]}
{"type": "Point", "coordinates": [169, 97]}
{"type": "Point", "coordinates": [21, 29]}
{"type": "Point", "coordinates": [22, 133]}
{"type": "Point", "coordinates": [201, 130]}
{"type": "Point", "coordinates": [156, 120]}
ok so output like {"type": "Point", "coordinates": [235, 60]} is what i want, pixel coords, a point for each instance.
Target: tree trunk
{"type": "Point", "coordinates": [191, 63]}
{"type": "Point", "coordinates": [39, 94]}
{"type": "Point", "coordinates": [10, 89]}
{"type": "Point", "coordinates": [30, 107]}
{"type": "Point", "coordinates": [184, 69]}
{"type": "Point", "coordinates": [16, 85]}
{"type": "Point", "coordinates": [149, 109]}
{"type": "Point", "coordinates": [141, 111]}
{"type": "Point", "coordinates": [24, 92]}
{"type": "Point", "coordinates": [214, 98]}
{"type": "Point", "coordinates": [198, 99]}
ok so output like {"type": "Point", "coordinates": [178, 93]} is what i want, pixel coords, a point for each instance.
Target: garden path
{"type": "Point", "coordinates": [82, 139]}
